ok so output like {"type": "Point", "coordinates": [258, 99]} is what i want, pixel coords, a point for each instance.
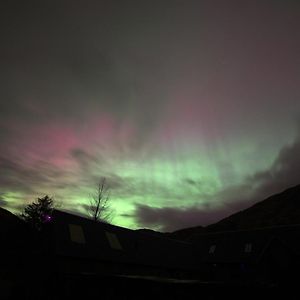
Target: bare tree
{"type": "Point", "coordinates": [99, 208]}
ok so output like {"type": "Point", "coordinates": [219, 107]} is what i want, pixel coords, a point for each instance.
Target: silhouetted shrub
{"type": "Point", "coordinates": [38, 213]}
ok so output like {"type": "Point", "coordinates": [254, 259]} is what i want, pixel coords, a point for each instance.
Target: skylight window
{"type": "Point", "coordinates": [76, 234]}
{"type": "Point", "coordinates": [113, 241]}
{"type": "Point", "coordinates": [212, 249]}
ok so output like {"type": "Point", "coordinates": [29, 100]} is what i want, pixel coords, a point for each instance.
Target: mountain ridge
{"type": "Point", "coordinates": [282, 208]}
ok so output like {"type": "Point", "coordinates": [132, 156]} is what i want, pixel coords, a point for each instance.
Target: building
{"type": "Point", "coordinates": [78, 257]}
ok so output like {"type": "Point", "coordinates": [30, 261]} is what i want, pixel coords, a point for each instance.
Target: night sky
{"type": "Point", "coordinates": [189, 109]}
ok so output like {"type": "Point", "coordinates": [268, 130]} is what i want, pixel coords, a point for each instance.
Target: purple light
{"type": "Point", "coordinates": [47, 218]}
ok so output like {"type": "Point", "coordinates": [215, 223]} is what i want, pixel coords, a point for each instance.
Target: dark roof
{"type": "Point", "coordinates": [75, 236]}
{"type": "Point", "coordinates": [246, 245]}
{"type": "Point", "coordinates": [7, 217]}
{"type": "Point", "coordinates": [13, 234]}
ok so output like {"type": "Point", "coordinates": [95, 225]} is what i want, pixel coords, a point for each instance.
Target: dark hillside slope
{"type": "Point", "coordinates": [280, 209]}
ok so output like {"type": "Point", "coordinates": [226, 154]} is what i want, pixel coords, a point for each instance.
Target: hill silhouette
{"type": "Point", "coordinates": [280, 209]}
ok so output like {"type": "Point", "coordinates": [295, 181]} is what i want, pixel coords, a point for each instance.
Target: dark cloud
{"type": "Point", "coordinates": [115, 182]}
{"type": "Point", "coordinates": [169, 218]}
{"type": "Point", "coordinates": [3, 202]}
{"type": "Point", "coordinates": [191, 181]}
{"type": "Point", "coordinates": [284, 173]}
{"type": "Point", "coordinates": [84, 159]}
{"type": "Point", "coordinates": [13, 176]}
{"type": "Point", "coordinates": [19, 178]}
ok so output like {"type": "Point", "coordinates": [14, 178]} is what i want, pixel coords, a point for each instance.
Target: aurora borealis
{"type": "Point", "coordinates": [189, 109]}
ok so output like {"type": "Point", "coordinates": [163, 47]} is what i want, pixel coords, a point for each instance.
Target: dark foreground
{"type": "Point", "coordinates": [137, 287]}
{"type": "Point", "coordinates": [73, 257]}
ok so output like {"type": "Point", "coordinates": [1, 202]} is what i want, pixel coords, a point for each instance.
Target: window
{"type": "Point", "coordinates": [248, 247]}
{"type": "Point", "coordinates": [113, 241]}
{"type": "Point", "coordinates": [76, 234]}
{"type": "Point", "coordinates": [212, 249]}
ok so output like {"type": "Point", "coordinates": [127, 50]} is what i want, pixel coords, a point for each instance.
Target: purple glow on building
{"type": "Point", "coordinates": [47, 218]}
